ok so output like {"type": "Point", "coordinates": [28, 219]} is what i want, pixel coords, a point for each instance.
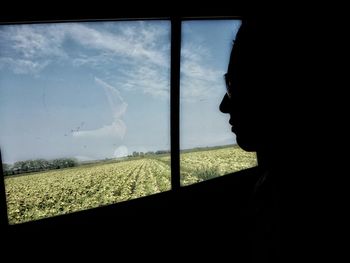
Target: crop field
{"type": "Point", "coordinates": [45, 194]}
{"type": "Point", "coordinates": [202, 165]}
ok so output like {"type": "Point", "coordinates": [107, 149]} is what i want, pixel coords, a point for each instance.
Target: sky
{"type": "Point", "coordinates": [96, 90]}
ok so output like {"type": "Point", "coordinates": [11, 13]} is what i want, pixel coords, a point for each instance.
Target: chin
{"type": "Point", "coordinates": [246, 144]}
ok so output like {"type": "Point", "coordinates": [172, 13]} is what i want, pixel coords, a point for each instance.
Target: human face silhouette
{"type": "Point", "coordinates": [241, 100]}
{"type": "Point", "coordinates": [242, 121]}
{"type": "Point", "coordinates": [251, 85]}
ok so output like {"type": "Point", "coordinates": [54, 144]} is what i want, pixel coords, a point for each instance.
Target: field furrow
{"type": "Point", "coordinates": [45, 194]}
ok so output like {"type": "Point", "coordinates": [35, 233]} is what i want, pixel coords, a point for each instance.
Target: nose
{"type": "Point", "coordinates": [224, 105]}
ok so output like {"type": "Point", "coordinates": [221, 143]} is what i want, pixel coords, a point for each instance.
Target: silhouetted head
{"type": "Point", "coordinates": [251, 100]}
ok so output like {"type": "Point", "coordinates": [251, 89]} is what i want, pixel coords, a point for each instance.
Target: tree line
{"type": "Point", "coordinates": [39, 165]}
{"type": "Point", "coordinates": [30, 166]}
{"type": "Point", "coordinates": [137, 154]}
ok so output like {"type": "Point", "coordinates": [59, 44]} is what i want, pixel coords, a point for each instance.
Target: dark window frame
{"type": "Point", "coordinates": [175, 56]}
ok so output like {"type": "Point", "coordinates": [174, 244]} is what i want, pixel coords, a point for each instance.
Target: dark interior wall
{"type": "Point", "coordinates": [202, 219]}
{"type": "Point", "coordinates": [62, 11]}
{"type": "Point", "coordinates": [218, 207]}
{"type": "Point", "coordinates": [213, 201]}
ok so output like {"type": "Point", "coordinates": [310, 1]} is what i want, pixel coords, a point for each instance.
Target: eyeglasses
{"type": "Point", "coordinates": [228, 86]}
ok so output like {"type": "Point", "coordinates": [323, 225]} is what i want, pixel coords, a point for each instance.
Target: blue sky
{"type": "Point", "coordinates": [101, 90]}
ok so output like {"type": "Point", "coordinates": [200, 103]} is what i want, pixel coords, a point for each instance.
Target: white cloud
{"type": "Point", "coordinates": [136, 41]}
{"type": "Point", "coordinates": [115, 100]}
{"type": "Point", "coordinates": [28, 49]}
{"type": "Point", "coordinates": [194, 52]}
{"type": "Point", "coordinates": [93, 61]}
{"type": "Point", "coordinates": [137, 45]}
{"type": "Point", "coordinates": [198, 79]}
{"type": "Point", "coordinates": [36, 41]}
{"type": "Point", "coordinates": [121, 151]}
{"type": "Point", "coordinates": [143, 47]}
{"type": "Point", "coordinates": [118, 107]}
{"type": "Point", "coordinates": [115, 130]}
{"type": "Point", "coordinates": [196, 70]}
{"type": "Point", "coordinates": [148, 80]}
{"type": "Point", "coordinates": [22, 66]}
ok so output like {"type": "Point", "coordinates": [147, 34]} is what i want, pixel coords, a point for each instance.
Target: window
{"type": "Point", "coordinates": [86, 111]}
{"type": "Point", "coordinates": [208, 147]}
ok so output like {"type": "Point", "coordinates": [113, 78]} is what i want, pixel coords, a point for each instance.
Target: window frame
{"type": "Point", "coordinates": [175, 61]}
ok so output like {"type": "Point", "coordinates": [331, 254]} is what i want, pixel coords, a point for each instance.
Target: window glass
{"type": "Point", "coordinates": [207, 145]}
{"type": "Point", "coordinates": [84, 113]}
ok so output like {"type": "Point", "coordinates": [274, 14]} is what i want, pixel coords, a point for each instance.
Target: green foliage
{"type": "Point", "coordinates": [6, 168]}
{"type": "Point", "coordinates": [206, 174]}
{"type": "Point", "coordinates": [38, 165]}
{"type": "Point", "coordinates": [60, 191]}
{"type": "Point", "coordinates": [208, 163]}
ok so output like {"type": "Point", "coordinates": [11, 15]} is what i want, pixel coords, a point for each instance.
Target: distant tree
{"type": "Point", "coordinates": [69, 162]}
{"type": "Point", "coordinates": [7, 169]}
{"type": "Point", "coordinates": [162, 152]}
{"type": "Point", "coordinates": [43, 164]}
{"type": "Point", "coordinates": [39, 165]}
{"type": "Point", "coordinates": [6, 166]}
{"type": "Point", "coordinates": [20, 167]}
